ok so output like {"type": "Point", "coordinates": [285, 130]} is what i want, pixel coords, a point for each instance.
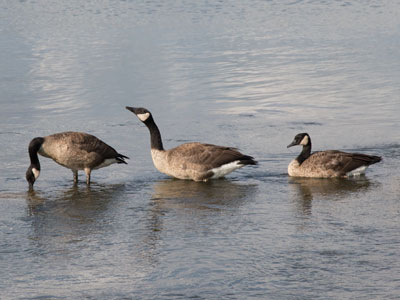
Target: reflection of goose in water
{"type": "Point", "coordinates": [306, 189]}
{"type": "Point", "coordinates": [70, 215]}
{"type": "Point", "coordinates": [183, 205]}
{"type": "Point", "coordinates": [215, 195]}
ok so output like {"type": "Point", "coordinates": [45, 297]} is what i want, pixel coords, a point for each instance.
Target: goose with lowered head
{"type": "Point", "coordinates": [73, 150]}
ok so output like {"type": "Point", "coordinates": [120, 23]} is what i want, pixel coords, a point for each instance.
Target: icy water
{"type": "Point", "coordinates": [248, 74]}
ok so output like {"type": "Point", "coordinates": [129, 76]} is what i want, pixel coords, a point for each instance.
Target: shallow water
{"type": "Point", "coordinates": [248, 74]}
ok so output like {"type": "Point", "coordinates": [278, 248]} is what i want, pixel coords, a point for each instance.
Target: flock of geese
{"type": "Point", "coordinates": [195, 161]}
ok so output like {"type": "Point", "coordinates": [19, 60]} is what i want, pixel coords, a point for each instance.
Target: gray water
{"type": "Point", "coordinates": [248, 74]}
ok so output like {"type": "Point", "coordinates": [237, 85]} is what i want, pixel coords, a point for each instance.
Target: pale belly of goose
{"type": "Point", "coordinates": [160, 161]}
{"type": "Point", "coordinates": [293, 169]}
{"type": "Point", "coordinates": [174, 167]}
{"type": "Point", "coordinates": [304, 170]}
{"type": "Point", "coordinates": [180, 169]}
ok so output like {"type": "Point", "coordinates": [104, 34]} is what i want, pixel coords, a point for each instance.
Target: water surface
{"type": "Point", "coordinates": [248, 74]}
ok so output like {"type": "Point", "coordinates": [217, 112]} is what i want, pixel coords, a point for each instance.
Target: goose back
{"type": "Point", "coordinates": [77, 150]}
{"type": "Point", "coordinates": [198, 161]}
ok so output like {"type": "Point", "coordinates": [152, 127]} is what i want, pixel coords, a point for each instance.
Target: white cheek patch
{"type": "Point", "coordinates": [304, 141]}
{"type": "Point", "coordinates": [143, 117]}
{"type": "Point", "coordinates": [36, 173]}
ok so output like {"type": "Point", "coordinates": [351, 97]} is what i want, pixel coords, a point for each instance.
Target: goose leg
{"type": "Point", "coordinates": [75, 172]}
{"type": "Point", "coordinates": [87, 172]}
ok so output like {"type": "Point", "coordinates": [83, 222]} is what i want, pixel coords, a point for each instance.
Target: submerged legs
{"type": "Point", "coordinates": [87, 172]}
{"type": "Point", "coordinates": [75, 172]}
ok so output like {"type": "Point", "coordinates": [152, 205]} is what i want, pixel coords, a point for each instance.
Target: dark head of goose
{"type": "Point", "coordinates": [33, 171]}
{"type": "Point", "coordinates": [300, 139]}
{"type": "Point", "coordinates": [142, 113]}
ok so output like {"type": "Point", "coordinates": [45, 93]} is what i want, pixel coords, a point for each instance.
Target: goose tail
{"type": "Point", "coordinates": [121, 159]}
{"type": "Point", "coordinates": [248, 160]}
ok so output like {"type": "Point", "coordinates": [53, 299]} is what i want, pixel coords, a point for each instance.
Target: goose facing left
{"type": "Point", "coordinates": [329, 163]}
{"type": "Point", "coordinates": [73, 150]}
{"type": "Point", "coordinates": [195, 161]}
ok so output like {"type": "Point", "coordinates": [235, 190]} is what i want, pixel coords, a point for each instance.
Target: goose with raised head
{"type": "Point", "coordinates": [329, 163]}
{"type": "Point", "coordinates": [73, 150]}
{"type": "Point", "coordinates": [196, 161]}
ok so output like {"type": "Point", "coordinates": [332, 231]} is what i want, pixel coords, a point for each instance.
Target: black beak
{"type": "Point", "coordinates": [294, 143]}
{"type": "Point", "coordinates": [132, 109]}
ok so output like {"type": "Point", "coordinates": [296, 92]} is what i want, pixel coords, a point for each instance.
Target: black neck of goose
{"type": "Point", "coordinates": [305, 153]}
{"type": "Point", "coordinates": [155, 135]}
{"type": "Point", "coordinates": [34, 147]}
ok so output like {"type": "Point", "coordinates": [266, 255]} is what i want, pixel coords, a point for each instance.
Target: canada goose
{"type": "Point", "coordinates": [196, 161]}
{"type": "Point", "coordinates": [73, 150]}
{"type": "Point", "coordinates": [330, 163]}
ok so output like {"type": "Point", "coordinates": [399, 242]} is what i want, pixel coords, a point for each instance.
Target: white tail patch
{"type": "Point", "coordinates": [357, 172]}
{"type": "Point", "coordinates": [106, 162]}
{"type": "Point", "coordinates": [226, 169]}
{"type": "Point", "coordinates": [304, 141]}
{"type": "Point", "coordinates": [143, 117]}
{"type": "Point", "coordinates": [36, 173]}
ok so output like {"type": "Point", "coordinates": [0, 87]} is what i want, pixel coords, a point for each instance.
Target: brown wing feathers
{"type": "Point", "coordinates": [223, 155]}
{"type": "Point", "coordinates": [210, 156]}
{"type": "Point", "coordinates": [90, 143]}
{"type": "Point", "coordinates": [352, 161]}
{"type": "Point", "coordinates": [342, 162]}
